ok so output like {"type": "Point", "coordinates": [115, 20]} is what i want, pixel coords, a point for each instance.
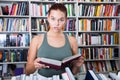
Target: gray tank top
{"type": "Point", "coordinates": [48, 51]}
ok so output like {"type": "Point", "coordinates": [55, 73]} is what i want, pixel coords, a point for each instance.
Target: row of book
{"type": "Point", "coordinates": [42, 9]}
{"type": "Point", "coordinates": [21, 8]}
{"type": "Point", "coordinates": [20, 40]}
{"type": "Point", "coordinates": [83, 39]}
{"type": "Point", "coordinates": [17, 8]}
{"type": "Point", "coordinates": [98, 24]}
{"type": "Point", "coordinates": [39, 25]}
{"type": "Point", "coordinates": [13, 55]}
{"type": "Point", "coordinates": [42, 25]}
{"type": "Point", "coordinates": [85, 0]}
{"type": "Point", "coordinates": [42, 0]}
{"type": "Point", "coordinates": [114, 75]}
{"type": "Point", "coordinates": [98, 0]}
{"type": "Point", "coordinates": [14, 24]}
{"type": "Point", "coordinates": [100, 66]}
{"type": "Point", "coordinates": [66, 0]}
{"type": "Point", "coordinates": [92, 75]}
{"type": "Point", "coordinates": [70, 9]}
{"type": "Point", "coordinates": [70, 26]}
{"type": "Point", "coordinates": [99, 10]}
{"type": "Point", "coordinates": [99, 53]}
{"type": "Point", "coordinates": [98, 39]}
{"type": "Point", "coordinates": [8, 70]}
{"type": "Point", "coordinates": [67, 75]}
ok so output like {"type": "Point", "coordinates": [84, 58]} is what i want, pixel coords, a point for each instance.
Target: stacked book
{"type": "Point", "coordinates": [67, 75]}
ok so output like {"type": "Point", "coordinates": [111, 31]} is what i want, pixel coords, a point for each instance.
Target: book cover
{"type": "Point", "coordinates": [65, 76]}
{"type": "Point", "coordinates": [70, 74]}
{"type": "Point", "coordinates": [56, 64]}
{"type": "Point", "coordinates": [91, 75]}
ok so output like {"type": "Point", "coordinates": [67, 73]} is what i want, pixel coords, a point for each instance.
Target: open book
{"type": "Point", "coordinates": [56, 64]}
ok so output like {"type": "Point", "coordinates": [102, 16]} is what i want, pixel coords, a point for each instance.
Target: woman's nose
{"type": "Point", "coordinates": [57, 22]}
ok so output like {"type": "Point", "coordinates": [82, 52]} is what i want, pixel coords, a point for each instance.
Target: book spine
{"type": "Point", "coordinates": [71, 76]}
{"type": "Point", "coordinates": [65, 76]}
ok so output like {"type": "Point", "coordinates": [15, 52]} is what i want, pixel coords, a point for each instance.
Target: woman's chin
{"type": "Point", "coordinates": [57, 31]}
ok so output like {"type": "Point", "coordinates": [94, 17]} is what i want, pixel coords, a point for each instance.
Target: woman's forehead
{"type": "Point", "coordinates": [57, 13]}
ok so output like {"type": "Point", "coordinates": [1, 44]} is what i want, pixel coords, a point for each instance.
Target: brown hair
{"type": "Point", "coordinates": [58, 6]}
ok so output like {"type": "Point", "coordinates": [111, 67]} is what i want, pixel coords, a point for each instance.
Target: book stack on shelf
{"type": "Point", "coordinates": [94, 23]}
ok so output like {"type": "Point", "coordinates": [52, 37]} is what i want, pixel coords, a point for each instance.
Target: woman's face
{"type": "Point", "coordinates": [57, 20]}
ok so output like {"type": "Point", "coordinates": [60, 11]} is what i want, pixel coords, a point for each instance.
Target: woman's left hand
{"type": "Point", "coordinates": [76, 64]}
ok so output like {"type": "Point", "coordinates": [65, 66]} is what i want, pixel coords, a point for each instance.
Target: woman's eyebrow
{"type": "Point", "coordinates": [52, 16]}
{"type": "Point", "coordinates": [58, 18]}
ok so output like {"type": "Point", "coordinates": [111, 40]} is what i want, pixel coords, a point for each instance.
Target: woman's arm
{"type": "Point", "coordinates": [33, 62]}
{"type": "Point", "coordinates": [77, 63]}
{"type": "Point", "coordinates": [30, 68]}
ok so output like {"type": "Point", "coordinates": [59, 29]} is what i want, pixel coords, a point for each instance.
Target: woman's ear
{"type": "Point", "coordinates": [48, 26]}
{"type": "Point", "coordinates": [63, 28]}
{"type": "Point", "coordinates": [48, 20]}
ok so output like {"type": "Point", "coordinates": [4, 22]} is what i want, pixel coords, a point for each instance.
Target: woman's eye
{"type": "Point", "coordinates": [52, 19]}
{"type": "Point", "coordinates": [61, 20]}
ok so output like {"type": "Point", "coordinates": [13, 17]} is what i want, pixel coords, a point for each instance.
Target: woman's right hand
{"type": "Point", "coordinates": [38, 65]}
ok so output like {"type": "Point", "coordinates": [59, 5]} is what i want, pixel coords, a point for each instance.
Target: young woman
{"type": "Point", "coordinates": [53, 44]}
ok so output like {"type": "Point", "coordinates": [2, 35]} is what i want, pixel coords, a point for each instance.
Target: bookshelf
{"type": "Point", "coordinates": [96, 39]}
{"type": "Point", "coordinates": [99, 38]}
{"type": "Point", "coordinates": [15, 37]}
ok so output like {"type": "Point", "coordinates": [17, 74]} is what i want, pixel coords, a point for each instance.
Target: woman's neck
{"type": "Point", "coordinates": [54, 34]}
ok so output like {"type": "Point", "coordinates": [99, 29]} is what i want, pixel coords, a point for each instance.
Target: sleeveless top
{"type": "Point", "coordinates": [48, 51]}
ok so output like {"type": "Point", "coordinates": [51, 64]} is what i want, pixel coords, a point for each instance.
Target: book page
{"type": "Point", "coordinates": [71, 58]}
{"type": "Point", "coordinates": [51, 61]}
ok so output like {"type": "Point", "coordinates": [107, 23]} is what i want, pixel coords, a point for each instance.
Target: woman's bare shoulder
{"type": "Point", "coordinates": [37, 37]}
{"type": "Point", "coordinates": [72, 39]}
{"type": "Point", "coordinates": [73, 43]}
{"type": "Point", "coordinates": [37, 40]}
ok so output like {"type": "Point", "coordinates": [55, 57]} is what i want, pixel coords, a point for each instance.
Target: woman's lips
{"type": "Point", "coordinates": [56, 28]}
